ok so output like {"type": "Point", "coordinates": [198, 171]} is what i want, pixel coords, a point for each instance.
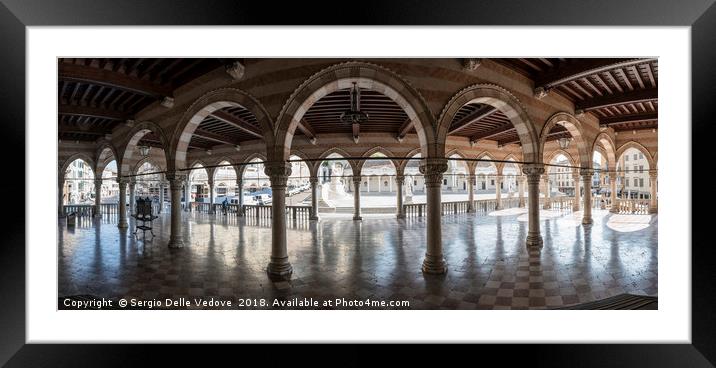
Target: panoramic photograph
{"type": "Point", "coordinates": [357, 183]}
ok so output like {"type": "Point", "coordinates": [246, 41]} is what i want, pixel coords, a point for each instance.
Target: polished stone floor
{"type": "Point", "coordinates": [377, 259]}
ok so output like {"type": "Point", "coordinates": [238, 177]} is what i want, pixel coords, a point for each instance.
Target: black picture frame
{"type": "Point", "coordinates": [700, 15]}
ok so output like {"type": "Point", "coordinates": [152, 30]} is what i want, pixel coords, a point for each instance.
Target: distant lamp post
{"type": "Point", "coordinates": [144, 150]}
{"type": "Point", "coordinates": [564, 142]}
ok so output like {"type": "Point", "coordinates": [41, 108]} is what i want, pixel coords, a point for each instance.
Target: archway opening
{"type": "Point", "coordinates": [486, 180]}
{"type": "Point", "coordinates": [148, 181]}
{"type": "Point", "coordinates": [110, 186]}
{"type": "Point", "coordinates": [378, 187]}
{"type": "Point", "coordinates": [257, 187]}
{"type": "Point", "coordinates": [225, 188]}
{"type": "Point", "coordinates": [199, 184]}
{"type": "Point", "coordinates": [414, 181]}
{"type": "Point", "coordinates": [335, 177]}
{"type": "Point", "coordinates": [561, 177]}
{"type": "Point", "coordinates": [455, 180]}
{"type": "Point", "coordinates": [633, 180]}
{"type": "Point", "coordinates": [298, 186]}
{"type": "Point", "coordinates": [79, 183]}
{"type": "Point", "coordinates": [510, 174]}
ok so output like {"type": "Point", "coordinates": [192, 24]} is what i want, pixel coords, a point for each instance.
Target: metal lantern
{"type": "Point", "coordinates": [144, 150]}
{"type": "Point", "coordinates": [564, 142]}
{"type": "Point", "coordinates": [354, 115]}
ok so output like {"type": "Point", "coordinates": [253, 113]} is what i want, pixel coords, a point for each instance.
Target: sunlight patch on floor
{"type": "Point", "coordinates": [628, 223]}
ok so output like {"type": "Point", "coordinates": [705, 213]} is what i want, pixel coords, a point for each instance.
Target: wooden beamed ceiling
{"type": "Point", "coordinates": [97, 94]}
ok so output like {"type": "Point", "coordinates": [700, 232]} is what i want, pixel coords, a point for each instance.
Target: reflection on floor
{"type": "Point", "coordinates": [376, 259]}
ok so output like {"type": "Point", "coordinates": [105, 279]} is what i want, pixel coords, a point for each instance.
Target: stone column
{"type": "Point", "coordinates": [613, 194]}
{"type": "Point", "coordinates": [534, 173]}
{"type": "Point", "coordinates": [132, 198]}
{"type": "Point", "coordinates": [211, 196]}
{"type": "Point", "coordinates": [399, 181]}
{"type": "Point", "coordinates": [356, 197]}
{"type": "Point", "coordinates": [122, 223]}
{"type": "Point", "coordinates": [240, 193]}
{"type": "Point", "coordinates": [653, 208]}
{"type": "Point", "coordinates": [279, 267]}
{"type": "Point", "coordinates": [175, 184]}
{"type": "Point", "coordinates": [498, 192]}
{"type": "Point", "coordinates": [314, 198]}
{"type": "Point", "coordinates": [547, 201]}
{"type": "Point", "coordinates": [471, 193]}
{"type": "Point", "coordinates": [521, 185]}
{"type": "Point", "coordinates": [60, 198]}
{"type": "Point", "coordinates": [587, 182]}
{"type": "Point", "coordinates": [432, 170]}
{"type": "Point", "coordinates": [577, 192]}
{"type": "Point", "coordinates": [161, 197]}
{"type": "Point", "coordinates": [187, 194]}
{"type": "Point", "coordinates": [97, 197]}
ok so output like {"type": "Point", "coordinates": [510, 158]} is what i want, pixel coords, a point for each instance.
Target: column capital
{"type": "Point", "coordinates": [586, 173]}
{"type": "Point", "coordinates": [357, 179]}
{"type": "Point", "coordinates": [653, 174]}
{"type": "Point", "coordinates": [122, 180]}
{"type": "Point", "coordinates": [533, 170]}
{"type": "Point", "coordinates": [278, 173]}
{"type": "Point", "coordinates": [175, 178]}
{"type": "Point", "coordinates": [433, 169]}
{"type": "Point", "coordinates": [97, 181]}
{"type": "Point", "coordinates": [400, 179]}
{"type": "Point", "coordinates": [313, 180]}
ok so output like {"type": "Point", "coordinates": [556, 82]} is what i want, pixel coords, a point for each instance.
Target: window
{"type": "Point", "coordinates": [641, 183]}
{"type": "Point", "coordinates": [365, 183]}
{"type": "Point", "coordinates": [385, 183]}
{"type": "Point", "coordinates": [641, 155]}
{"type": "Point", "coordinates": [415, 183]}
{"type": "Point", "coordinates": [444, 181]}
{"type": "Point", "coordinates": [626, 157]}
{"type": "Point", "coordinates": [641, 168]}
{"type": "Point", "coordinates": [627, 182]}
{"type": "Point", "coordinates": [635, 155]}
{"type": "Point", "coordinates": [492, 182]}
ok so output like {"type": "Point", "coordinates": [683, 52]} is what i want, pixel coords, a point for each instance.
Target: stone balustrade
{"type": "Point", "coordinates": [89, 209]}
{"type": "Point", "coordinates": [632, 206]}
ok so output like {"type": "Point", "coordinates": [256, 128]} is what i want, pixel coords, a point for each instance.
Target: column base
{"type": "Point", "coordinates": [357, 218]}
{"type": "Point", "coordinates": [587, 221]}
{"type": "Point", "coordinates": [176, 243]}
{"type": "Point", "coordinates": [313, 218]}
{"type": "Point", "coordinates": [279, 269]}
{"type": "Point", "coordinates": [400, 216]}
{"type": "Point", "coordinates": [534, 241]}
{"type": "Point", "coordinates": [434, 265]}
{"type": "Point", "coordinates": [122, 224]}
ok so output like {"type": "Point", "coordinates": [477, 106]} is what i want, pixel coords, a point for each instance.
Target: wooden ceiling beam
{"type": "Point", "coordinates": [92, 112]}
{"type": "Point", "coordinates": [629, 97]}
{"type": "Point", "coordinates": [307, 130]}
{"type": "Point", "coordinates": [237, 123]}
{"type": "Point", "coordinates": [576, 70]}
{"type": "Point", "coordinates": [620, 119]}
{"type": "Point", "coordinates": [472, 118]}
{"type": "Point", "coordinates": [205, 134]}
{"type": "Point", "coordinates": [406, 127]}
{"type": "Point", "coordinates": [114, 79]}
{"type": "Point", "coordinates": [356, 132]}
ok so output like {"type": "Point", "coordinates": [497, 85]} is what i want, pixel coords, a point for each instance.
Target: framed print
{"type": "Point", "coordinates": [475, 174]}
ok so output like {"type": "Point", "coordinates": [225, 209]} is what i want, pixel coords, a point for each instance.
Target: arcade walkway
{"type": "Point", "coordinates": [378, 258]}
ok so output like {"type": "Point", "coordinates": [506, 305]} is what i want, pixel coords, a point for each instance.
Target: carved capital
{"type": "Point", "coordinates": [176, 179]}
{"type": "Point", "coordinates": [313, 180]}
{"type": "Point", "coordinates": [278, 173]}
{"type": "Point", "coordinates": [540, 92]}
{"type": "Point", "coordinates": [122, 180]}
{"type": "Point", "coordinates": [653, 174]}
{"type": "Point", "coordinates": [471, 64]}
{"type": "Point", "coordinates": [533, 170]}
{"type": "Point", "coordinates": [586, 173]}
{"type": "Point", "coordinates": [400, 179]}
{"type": "Point", "coordinates": [433, 169]}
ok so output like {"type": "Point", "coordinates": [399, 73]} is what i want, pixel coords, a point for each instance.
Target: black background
{"type": "Point", "coordinates": [15, 15]}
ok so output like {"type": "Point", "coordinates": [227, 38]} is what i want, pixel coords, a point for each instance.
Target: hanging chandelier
{"type": "Point", "coordinates": [564, 142]}
{"type": "Point", "coordinates": [144, 150]}
{"type": "Point", "coordinates": [354, 115]}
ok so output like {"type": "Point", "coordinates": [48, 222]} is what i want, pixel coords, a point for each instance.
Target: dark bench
{"type": "Point", "coordinates": [144, 215]}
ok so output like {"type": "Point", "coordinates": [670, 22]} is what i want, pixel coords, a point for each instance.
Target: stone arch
{"type": "Point", "coordinates": [135, 135]}
{"type": "Point", "coordinates": [366, 76]}
{"type": "Point", "coordinates": [507, 157]}
{"type": "Point", "coordinates": [606, 142]}
{"type": "Point", "coordinates": [638, 146]}
{"type": "Point", "coordinates": [553, 155]}
{"type": "Point", "coordinates": [375, 150]}
{"type": "Point", "coordinates": [249, 158]}
{"type": "Point", "coordinates": [103, 159]}
{"type": "Point", "coordinates": [207, 104]}
{"type": "Point", "coordinates": [303, 156]}
{"type": "Point", "coordinates": [141, 162]}
{"type": "Point", "coordinates": [404, 162]}
{"type": "Point", "coordinates": [487, 155]}
{"type": "Point", "coordinates": [574, 127]}
{"type": "Point", "coordinates": [338, 151]}
{"type": "Point", "coordinates": [227, 159]}
{"type": "Point", "coordinates": [77, 156]}
{"type": "Point", "coordinates": [469, 165]}
{"type": "Point", "coordinates": [502, 100]}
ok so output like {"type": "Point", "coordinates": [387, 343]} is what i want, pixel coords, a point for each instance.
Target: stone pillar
{"type": "Point", "coordinates": [613, 194]}
{"type": "Point", "coordinates": [60, 198]}
{"type": "Point", "coordinates": [314, 198]}
{"type": "Point", "coordinates": [547, 201]}
{"type": "Point", "coordinates": [356, 197]}
{"type": "Point", "coordinates": [175, 184]}
{"type": "Point", "coordinates": [399, 181]}
{"type": "Point", "coordinates": [240, 193]}
{"type": "Point", "coordinates": [587, 182]}
{"type": "Point", "coordinates": [498, 192]}
{"type": "Point", "coordinates": [521, 185]}
{"type": "Point", "coordinates": [577, 192]}
{"type": "Point", "coordinates": [471, 193]}
{"type": "Point", "coordinates": [161, 197]}
{"type": "Point", "coordinates": [279, 267]}
{"type": "Point", "coordinates": [432, 170]}
{"type": "Point", "coordinates": [211, 196]}
{"type": "Point", "coordinates": [132, 198]}
{"type": "Point", "coordinates": [187, 194]}
{"type": "Point", "coordinates": [97, 197]}
{"type": "Point", "coordinates": [122, 204]}
{"type": "Point", "coordinates": [653, 207]}
{"type": "Point", "coordinates": [534, 173]}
